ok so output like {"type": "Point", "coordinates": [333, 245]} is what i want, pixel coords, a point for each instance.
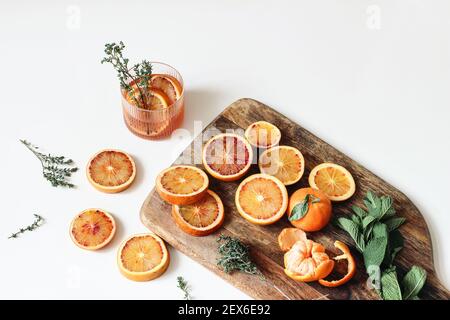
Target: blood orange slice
{"type": "Point", "coordinates": [111, 170]}
{"type": "Point", "coordinates": [262, 134]}
{"type": "Point", "coordinates": [333, 180]}
{"type": "Point", "coordinates": [283, 162]}
{"type": "Point", "coordinates": [92, 229]}
{"type": "Point", "coordinates": [227, 156]}
{"type": "Point", "coordinates": [143, 257]}
{"type": "Point", "coordinates": [167, 84]}
{"type": "Point", "coordinates": [261, 199]}
{"type": "Point", "coordinates": [182, 184]}
{"type": "Point", "coordinates": [200, 218]}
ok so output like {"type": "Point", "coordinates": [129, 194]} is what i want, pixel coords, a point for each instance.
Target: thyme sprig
{"type": "Point", "coordinates": [185, 287]}
{"type": "Point", "coordinates": [234, 255]}
{"type": "Point", "coordinates": [36, 224]}
{"type": "Point", "coordinates": [55, 169]}
{"type": "Point", "coordinates": [133, 79]}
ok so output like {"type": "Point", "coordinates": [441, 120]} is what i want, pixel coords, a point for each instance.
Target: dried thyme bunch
{"type": "Point", "coordinates": [133, 79]}
{"type": "Point", "coordinates": [55, 169]}
{"type": "Point", "coordinates": [185, 287]}
{"type": "Point", "coordinates": [234, 256]}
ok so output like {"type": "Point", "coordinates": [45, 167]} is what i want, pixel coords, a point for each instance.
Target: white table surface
{"type": "Point", "coordinates": [371, 78]}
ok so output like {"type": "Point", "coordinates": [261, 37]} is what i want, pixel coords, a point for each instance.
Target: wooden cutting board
{"type": "Point", "coordinates": [156, 215]}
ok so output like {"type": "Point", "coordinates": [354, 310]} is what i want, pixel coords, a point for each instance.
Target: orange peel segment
{"type": "Point", "coordinates": [289, 236]}
{"type": "Point", "coordinates": [351, 268]}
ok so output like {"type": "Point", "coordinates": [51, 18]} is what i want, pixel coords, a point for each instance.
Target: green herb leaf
{"type": "Point", "coordinates": [352, 229]}
{"type": "Point", "coordinates": [36, 224]}
{"type": "Point", "coordinates": [413, 282]}
{"type": "Point", "coordinates": [360, 212]}
{"type": "Point", "coordinates": [301, 208]}
{"type": "Point", "coordinates": [185, 287]}
{"type": "Point", "coordinates": [55, 169]}
{"type": "Point", "coordinates": [390, 287]}
{"type": "Point", "coordinates": [395, 244]}
{"type": "Point", "coordinates": [367, 221]}
{"type": "Point", "coordinates": [374, 252]}
{"type": "Point", "coordinates": [379, 230]}
{"type": "Point", "coordinates": [394, 223]}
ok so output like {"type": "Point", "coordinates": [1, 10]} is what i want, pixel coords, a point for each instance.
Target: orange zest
{"type": "Point", "coordinates": [351, 268]}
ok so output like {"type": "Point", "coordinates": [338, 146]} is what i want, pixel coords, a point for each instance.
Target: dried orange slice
{"type": "Point", "coordinates": [307, 261]}
{"type": "Point", "coordinates": [351, 266]}
{"type": "Point", "coordinates": [111, 171]}
{"type": "Point", "coordinates": [283, 162]}
{"type": "Point", "coordinates": [143, 257]}
{"type": "Point", "coordinates": [227, 156]}
{"type": "Point", "coordinates": [167, 84]}
{"type": "Point", "coordinates": [202, 217]}
{"type": "Point", "coordinates": [92, 229]}
{"type": "Point", "coordinates": [182, 184]}
{"type": "Point", "coordinates": [155, 99]}
{"type": "Point", "coordinates": [261, 199]}
{"type": "Point", "coordinates": [262, 134]}
{"type": "Point", "coordinates": [333, 180]}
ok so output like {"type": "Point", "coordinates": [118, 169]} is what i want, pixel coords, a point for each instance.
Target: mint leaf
{"type": "Point", "coordinates": [367, 220]}
{"type": "Point", "coordinates": [374, 252]}
{"type": "Point", "coordinates": [413, 282]}
{"type": "Point", "coordinates": [387, 207]}
{"type": "Point", "coordinates": [352, 229]}
{"type": "Point", "coordinates": [360, 212]}
{"type": "Point", "coordinates": [394, 223]}
{"type": "Point", "coordinates": [390, 289]}
{"type": "Point", "coordinates": [395, 244]}
{"type": "Point", "coordinates": [301, 208]}
{"type": "Point", "coordinates": [380, 230]}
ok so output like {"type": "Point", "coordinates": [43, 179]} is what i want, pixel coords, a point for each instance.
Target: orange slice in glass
{"type": "Point", "coordinates": [333, 180]}
{"type": "Point", "coordinates": [283, 162]}
{"type": "Point", "coordinates": [261, 199]}
{"type": "Point", "coordinates": [143, 257]}
{"type": "Point", "coordinates": [200, 218]}
{"type": "Point", "coordinates": [262, 134]}
{"type": "Point", "coordinates": [182, 185]}
{"type": "Point", "coordinates": [92, 229]}
{"type": "Point", "coordinates": [227, 156]}
{"type": "Point", "coordinates": [111, 171]}
{"type": "Point", "coordinates": [169, 85]}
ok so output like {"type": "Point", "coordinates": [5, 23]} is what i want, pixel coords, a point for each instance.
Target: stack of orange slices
{"type": "Point", "coordinates": [195, 209]}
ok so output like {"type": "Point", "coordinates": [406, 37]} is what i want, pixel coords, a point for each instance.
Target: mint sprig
{"type": "Point", "coordinates": [376, 235]}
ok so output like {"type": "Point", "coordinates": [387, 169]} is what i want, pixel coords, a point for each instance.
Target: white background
{"type": "Point", "coordinates": [370, 77]}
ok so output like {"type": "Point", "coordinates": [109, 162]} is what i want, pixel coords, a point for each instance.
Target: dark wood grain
{"type": "Point", "coordinates": [155, 214]}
